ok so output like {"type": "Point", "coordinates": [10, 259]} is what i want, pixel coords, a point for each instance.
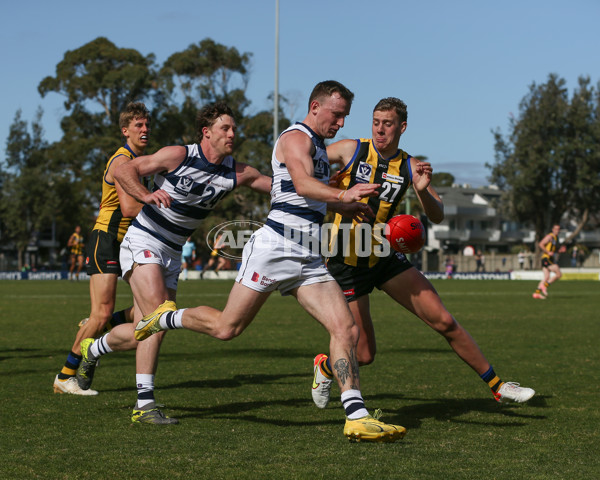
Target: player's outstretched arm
{"type": "Point", "coordinates": [251, 177]}
{"type": "Point", "coordinates": [428, 197]}
{"type": "Point", "coordinates": [128, 174]}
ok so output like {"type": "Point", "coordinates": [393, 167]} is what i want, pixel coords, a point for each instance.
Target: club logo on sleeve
{"type": "Point", "coordinates": [363, 172]}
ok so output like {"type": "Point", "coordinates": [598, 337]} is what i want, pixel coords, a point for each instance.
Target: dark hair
{"type": "Point", "coordinates": [208, 115]}
{"type": "Point", "coordinates": [133, 110]}
{"type": "Point", "coordinates": [328, 88]}
{"type": "Point", "coordinates": [392, 103]}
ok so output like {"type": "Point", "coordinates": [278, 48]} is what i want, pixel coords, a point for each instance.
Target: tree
{"type": "Point", "coordinates": [28, 200]}
{"type": "Point", "coordinates": [547, 166]}
{"type": "Point", "coordinates": [102, 73]}
{"type": "Point", "coordinates": [442, 179]}
{"type": "Point", "coordinates": [202, 73]}
{"type": "Point", "coordinates": [208, 72]}
{"type": "Point", "coordinates": [97, 81]}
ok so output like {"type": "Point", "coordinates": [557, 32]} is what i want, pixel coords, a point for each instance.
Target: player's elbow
{"type": "Point", "coordinates": [437, 217]}
{"type": "Point", "coordinates": [130, 207]}
{"type": "Point", "coordinates": [301, 189]}
{"type": "Point", "coordinates": [130, 212]}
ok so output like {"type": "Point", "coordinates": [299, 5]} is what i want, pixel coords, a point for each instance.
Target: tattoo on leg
{"type": "Point", "coordinates": [342, 368]}
{"type": "Point", "coordinates": [348, 370]}
{"type": "Point", "coordinates": [354, 365]}
{"type": "Point", "coordinates": [355, 384]}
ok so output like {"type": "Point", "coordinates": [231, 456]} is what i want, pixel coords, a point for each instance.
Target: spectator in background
{"type": "Point", "coordinates": [480, 261]}
{"type": "Point", "coordinates": [574, 255]}
{"type": "Point", "coordinates": [449, 267]}
{"type": "Point", "coordinates": [521, 257]}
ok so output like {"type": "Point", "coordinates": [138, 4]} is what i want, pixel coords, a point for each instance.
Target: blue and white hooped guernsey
{"type": "Point", "coordinates": [196, 186]}
{"type": "Point", "coordinates": [288, 209]}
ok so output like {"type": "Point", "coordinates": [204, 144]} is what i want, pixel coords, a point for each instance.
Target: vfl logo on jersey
{"type": "Point", "coordinates": [321, 168]}
{"type": "Point", "coordinates": [363, 172]}
{"type": "Point", "coordinates": [184, 185]}
{"type": "Point", "coordinates": [400, 256]}
{"type": "Point", "coordinates": [392, 178]}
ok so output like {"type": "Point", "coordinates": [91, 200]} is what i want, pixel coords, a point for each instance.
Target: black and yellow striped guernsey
{"type": "Point", "coordinates": [367, 166]}
{"type": "Point", "coordinates": [111, 219]}
{"type": "Point", "coordinates": [77, 244]}
{"type": "Point", "coordinates": [551, 247]}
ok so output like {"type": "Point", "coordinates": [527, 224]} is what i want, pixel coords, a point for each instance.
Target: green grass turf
{"type": "Point", "coordinates": [245, 406]}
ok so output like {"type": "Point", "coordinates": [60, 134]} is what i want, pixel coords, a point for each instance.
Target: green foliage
{"type": "Point", "coordinates": [97, 80]}
{"type": "Point", "coordinates": [28, 200]}
{"type": "Point", "coordinates": [245, 408]}
{"type": "Point", "coordinates": [442, 179]}
{"type": "Point", "coordinates": [547, 165]}
{"type": "Point", "coordinates": [102, 73]}
{"type": "Point", "coordinates": [202, 73]}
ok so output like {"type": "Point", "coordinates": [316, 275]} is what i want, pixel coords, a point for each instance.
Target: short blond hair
{"type": "Point", "coordinates": [132, 111]}
{"type": "Point", "coordinates": [392, 103]}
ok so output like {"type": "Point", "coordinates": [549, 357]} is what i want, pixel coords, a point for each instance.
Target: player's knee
{"type": "Point", "coordinates": [365, 358]}
{"type": "Point", "coordinates": [228, 332]}
{"type": "Point", "coordinates": [365, 353]}
{"type": "Point", "coordinates": [445, 324]}
{"type": "Point", "coordinates": [99, 320]}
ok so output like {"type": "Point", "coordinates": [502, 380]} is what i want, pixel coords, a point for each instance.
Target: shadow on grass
{"type": "Point", "coordinates": [183, 356]}
{"type": "Point", "coordinates": [410, 416]}
{"type": "Point", "coordinates": [234, 382]}
{"type": "Point", "coordinates": [20, 353]}
{"type": "Point", "coordinates": [451, 410]}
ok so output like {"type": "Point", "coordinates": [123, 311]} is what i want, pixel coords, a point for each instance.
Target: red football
{"type": "Point", "coordinates": [405, 233]}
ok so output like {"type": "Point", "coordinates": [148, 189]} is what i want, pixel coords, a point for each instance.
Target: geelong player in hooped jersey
{"type": "Point", "coordinates": [278, 258]}
{"type": "Point", "coordinates": [189, 181]}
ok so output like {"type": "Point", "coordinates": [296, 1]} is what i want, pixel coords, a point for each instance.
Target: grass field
{"type": "Point", "coordinates": [245, 406]}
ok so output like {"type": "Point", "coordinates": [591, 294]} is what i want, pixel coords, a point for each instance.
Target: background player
{"type": "Point", "coordinates": [215, 262]}
{"type": "Point", "coordinates": [117, 208]}
{"type": "Point", "coordinates": [75, 245]}
{"type": "Point", "coordinates": [549, 245]}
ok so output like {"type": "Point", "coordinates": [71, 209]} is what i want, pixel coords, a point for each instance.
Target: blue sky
{"type": "Point", "coordinates": [462, 67]}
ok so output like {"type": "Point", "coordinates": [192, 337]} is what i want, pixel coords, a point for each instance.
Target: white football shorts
{"type": "Point", "coordinates": [142, 248]}
{"type": "Point", "coordinates": [271, 262]}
